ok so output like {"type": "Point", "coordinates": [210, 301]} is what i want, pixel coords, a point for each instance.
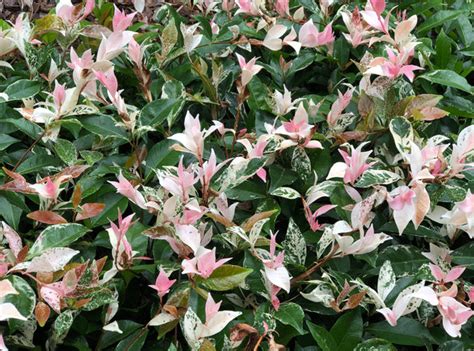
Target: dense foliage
{"type": "Point", "coordinates": [238, 175]}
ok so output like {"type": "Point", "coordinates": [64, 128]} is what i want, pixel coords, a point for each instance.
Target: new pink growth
{"type": "Point", "coordinates": [312, 218]}
{"type": "Point", "coordinates": [275, 261]}
{"type": "Point", "coordinates": [358, 33]}
{"type": "Point", "coordinates": [394, 66]}
{"type": "Point", "coordinates": [125, 188]}
{"type": "Point", "coordinates": [356, 163]}
{"type": "Point", "coordinates": [208, 170]}
{"type": "Point", "coordinates": [181, 184]}
{"type": "Point", "coordinates": [442, 277]}
{"type": "Point", "coordinates": [247, 7]}
{"type": "Point", "coordinates": [72, 14]}
{"type": "Point", "coordinates": [310, 37]}
{"type": "Point", "coordinates": [203, 264]}
{"type": "Point", "coordinates": [249, 69]}
{"type": "Point", "coordinates": [282, 7]}
{"type": "Point", "coordinates": [59, 95]}
{"type": "Point", "coordinates": [121, 248]}
{"type": "Point", "coordinates": [162, 284]}
{"type": "Point", "coordinates": [79, 63]}
{"type": "Point", "coordinates": [135, 52]}
{"type": "Point", "coordinates": [373, 15]}
{"type": "Point", "coordinates": [109, 80]}
{"type": "Point", "coordinates": [298, 129]}
{"type": "Point", "coordinates": [256, 151]}
{"type": "Point", "coordinates": [454, 313]}
{"type": "Point", "coordinates": [49, 189]}
{"type": "Point", "coordinates": [192, 139]}
{"type": "Point", "coordinates": [121, 21]}
{"type": "Point", "coordinates": [212, 307]}
{"type": "Point", "coordinates": [339, 106]}
{"type": "Point", "coordinates": [405, 198]}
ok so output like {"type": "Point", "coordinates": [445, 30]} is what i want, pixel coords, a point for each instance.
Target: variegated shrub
{"type": "Point", "coordinates": [237, 175]}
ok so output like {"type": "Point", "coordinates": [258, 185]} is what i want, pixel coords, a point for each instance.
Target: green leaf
{"type": "Point", "coordinates": [452, 345]}
{"type": "Point", "coordinates": [10, 213]}
{"type": "Point", "coordinates": [37, 163]}
{"type": "Point", "coordinates": [405, 259]}
{"type": "Point", "coordinates": [294, 244]}
{"type": "Point", "coordinates": [280, 176]}
{"type": "Point", "coordinates": [464, 255]}
{"type": "Point", "coordinates": [27, 127]}
{"type": "Point", "coordinates": [375, 345]}
{"type": "Point", "coordinates": [91, 157]}
{"type": "Point", "coordinates": [347, 331]}
{"type": "Point", "coordinates": [443, 50]}
{"type": "Point", "coordinates": [291, 314]}
{"type": "Point", "coordinates": [169, 37]}
{"type": "Point", "coordinates": [66, 151]}
{"type": "Point", "coordinates": [110, 338]}
{"type": "Point", "coordinates": [458, 106]}
{"type": "Point", "coordinates": [449, 79]}
{"type": "Point", "coordinates": [258, 99]}
{"type": "Point", "coordinates": [59, 235]}
{"type": "Point", "coordinates": [247, 191]}
{"type": "Point", "coordinates": [6, 141]}
{"type": "Point", "coordinates": [113, 202]}
{"type": "Point", "coordinates": [103, 126]}
{"type": "Point", "coordinates": [373, 177]}
{"type": "Point", "coordinates": [324, 339]}
{"type": "Point", "coordinates": [438, 19]}
{"type": "Point", "coordinates": [422, 231]}
{"type": "Point", "coordinates": [408, 332]}
{"type": "Point", "coordinates": [99, 298]}
{"type": "Point", "coordinates": [156, 112]}
{"type": "Point", "coordinates": [226, 277]}
{"type": "Point", "coordinates": [61, 327]}
{"type": "Point", "coordinates": [160, 155]}
{"type": "Point", "coordinates": [22, 89]}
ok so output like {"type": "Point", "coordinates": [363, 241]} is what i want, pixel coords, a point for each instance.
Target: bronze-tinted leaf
{"type": "Point", "coordinates": [47, 217]}
{"type": "Point", "coordinates": [42, 312]}
{"type": "Point", "coordinates": [90, 210]}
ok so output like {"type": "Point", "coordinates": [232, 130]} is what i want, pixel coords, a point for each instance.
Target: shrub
{"type": "Point", "coordinates": [238, 175]}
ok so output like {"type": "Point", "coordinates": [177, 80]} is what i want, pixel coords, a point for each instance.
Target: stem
{"type": "Point", "coordinates": [22, 158]}
{"type": "Point", "coordinates": [237, 118]}
{"type": "Point", "coordinates": [316, 265]}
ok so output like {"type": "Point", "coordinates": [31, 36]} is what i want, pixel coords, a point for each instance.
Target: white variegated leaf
{"type": "Point", "coordinates": [113, 327]}
{"type": "Point", "coordinates": [321, 294]}
{"type": "Point", "coordinates": [301, 163]}
{"type": "Point", "coordinates": [256, 230]}
{"type": "Point", "coordinates": [294, 244]}
{"type": "Point", "coordinates": [191, 326]}
{"type": "Point", "coordinates": [386, 281]}
{"type": "Point", "coordinates": [218, 322]}
{"type": "Point", "coordinates": [9, 311]}
{"type": "Point", "coordinates": [52, 260]}
{"type": "Point", "coordinates": [239, 170]}
{"type": "Point", "coordinates": [285, 192]}
{"type": "Point", "coordinates": [323, 189]}
{"type": "Point", "coordinates": [161, 318]}
{"type": "Point", "coordinates": [414, 302]}
{"type": "Point", "coordinates": [373, 177]}
{"type": "Point", "coordinates": [279, 277]}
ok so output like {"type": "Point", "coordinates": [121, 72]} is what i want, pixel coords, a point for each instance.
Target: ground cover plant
{"type": "Point", "coordinates": [237, 175]}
